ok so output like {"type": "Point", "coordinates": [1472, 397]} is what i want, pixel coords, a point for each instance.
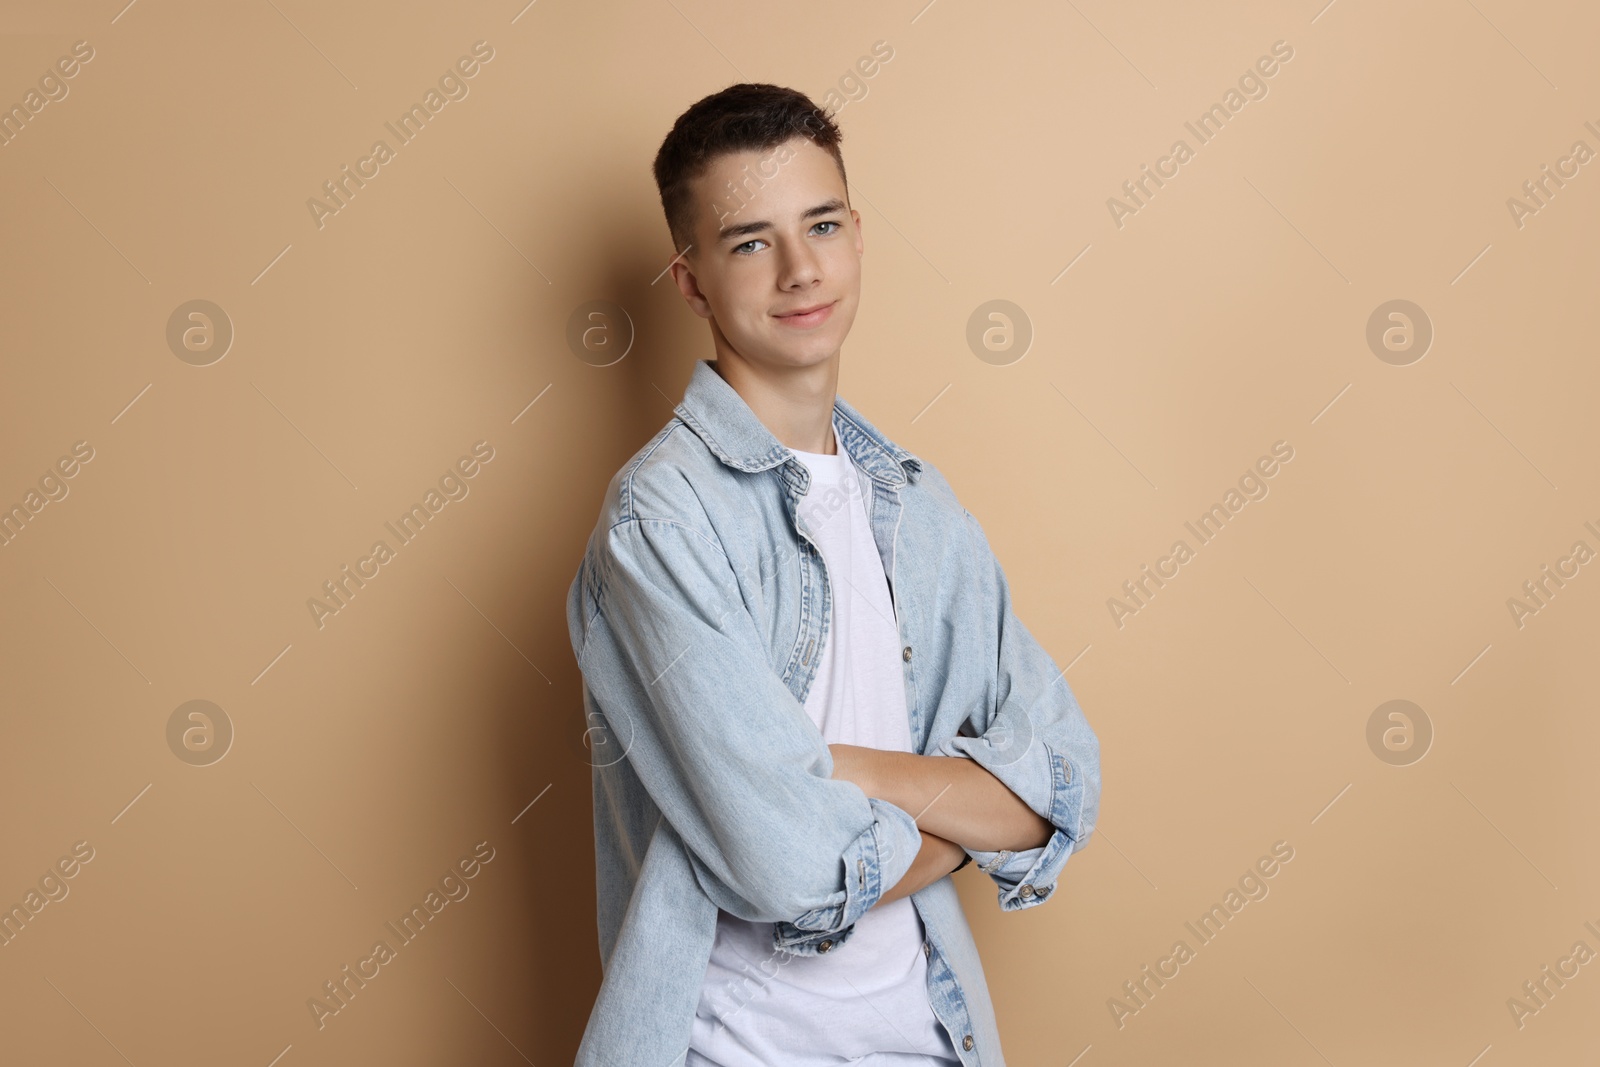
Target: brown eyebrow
{"type": "Point", "coordinates": [744, 228]}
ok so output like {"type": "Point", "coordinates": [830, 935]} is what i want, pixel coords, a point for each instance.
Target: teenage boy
{"type": "Point", "coordinates": [808, 695]}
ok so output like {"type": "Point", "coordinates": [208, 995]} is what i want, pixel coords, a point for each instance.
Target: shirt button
{"type": "Point", "coordinates": [905, 654]}
{"type": "Point", "coordinates": [825, 946]}
{"type": "Point", "coordinates": [966, 1042]}
{"type": "Point", "coordinates": [1026, 891]}
{"type": "Point", "coordinates": [927, 950]}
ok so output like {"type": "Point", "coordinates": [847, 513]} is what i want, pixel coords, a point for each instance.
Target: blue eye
{"type": "Point", "coordinates": [738, 250]}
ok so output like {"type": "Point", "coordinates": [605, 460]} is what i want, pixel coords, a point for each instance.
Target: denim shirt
{"type": "Point", "coordinates": [697, 617]}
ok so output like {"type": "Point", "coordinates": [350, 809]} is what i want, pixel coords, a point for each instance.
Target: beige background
{"type": "Point", "coordinates": [427, 716]}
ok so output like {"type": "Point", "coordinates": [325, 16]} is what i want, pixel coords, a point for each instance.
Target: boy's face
{"type": "Point", "coordinates": [790, 245]}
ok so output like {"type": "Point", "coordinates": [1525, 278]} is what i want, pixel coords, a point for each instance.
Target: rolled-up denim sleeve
{"type": "Point", "coordinates": [675, 667]}
{"type": "Point", "coordinates": [1034, 738]}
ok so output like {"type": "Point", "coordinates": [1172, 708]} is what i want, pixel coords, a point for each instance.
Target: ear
{"type": "Point", "coordinates": [689, 286]}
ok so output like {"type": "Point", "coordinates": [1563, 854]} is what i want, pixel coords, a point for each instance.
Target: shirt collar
{"type": "Point", "coordinates": [716, 412]}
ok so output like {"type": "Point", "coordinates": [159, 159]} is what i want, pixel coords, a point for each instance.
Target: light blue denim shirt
{"type": "Point", "coordinates": [697, 616]}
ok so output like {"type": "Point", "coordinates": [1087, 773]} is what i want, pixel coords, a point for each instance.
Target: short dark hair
{"type": "Point", "coordinates": [750, 116]}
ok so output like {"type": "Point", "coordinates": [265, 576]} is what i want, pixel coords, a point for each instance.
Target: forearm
{"type": "Point", "coordinates": [952, 797]}
{"type": "Point", "coordinates": [936, 858]}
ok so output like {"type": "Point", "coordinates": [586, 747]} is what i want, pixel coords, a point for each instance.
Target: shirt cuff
{"type": "Point", "coordinates": [1045, 781]}
{"type": "Point", "coordinates": [1025, 879]}
{"type": "Point", "coordinates": [873, 864]}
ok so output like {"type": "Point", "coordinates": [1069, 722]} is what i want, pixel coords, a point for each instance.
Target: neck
{"type": "Point", "coordinates": [795, 403]}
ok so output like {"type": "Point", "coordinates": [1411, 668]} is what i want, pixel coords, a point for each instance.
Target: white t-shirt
{"type": "Point", "coordinates": [866, 1002]}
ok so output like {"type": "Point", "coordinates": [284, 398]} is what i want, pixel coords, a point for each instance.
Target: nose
{"type": "Point", "coordinates": [801, 267]}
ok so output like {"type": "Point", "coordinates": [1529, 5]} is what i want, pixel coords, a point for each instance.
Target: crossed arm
{"type": "Point", "coordinates": [956, 803]}
{"type": "Point", "coordinates": [650, 619]}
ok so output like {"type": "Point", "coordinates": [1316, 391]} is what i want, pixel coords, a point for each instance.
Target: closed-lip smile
{"type": "Point", "coordinates": [809, 316]}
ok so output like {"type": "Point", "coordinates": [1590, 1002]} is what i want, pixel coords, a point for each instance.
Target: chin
{"type": "Point", "coordinates": [816, 350]}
